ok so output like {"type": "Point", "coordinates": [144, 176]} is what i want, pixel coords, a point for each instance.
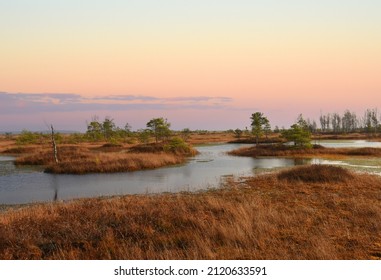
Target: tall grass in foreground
{"type": "Point", "coordinates": [288, 215]}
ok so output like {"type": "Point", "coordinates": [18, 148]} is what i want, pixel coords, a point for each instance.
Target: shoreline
{"type": "Point", "coordinates": [271, 216]}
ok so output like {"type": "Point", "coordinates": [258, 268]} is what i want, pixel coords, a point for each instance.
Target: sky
{"type": "Point", "coordinates": [202, 64]}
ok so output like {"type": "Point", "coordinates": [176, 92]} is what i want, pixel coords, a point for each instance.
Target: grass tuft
{"type": "Point", "coordinates": [316, 173]}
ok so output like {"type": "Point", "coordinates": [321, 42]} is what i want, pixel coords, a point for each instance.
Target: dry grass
{"type": "Point", "coordinates": [78, 159]}
{"type": "Point", "coordinates": [6, 144]}
{"type": "Point", "coordinates": [210, 137]}
{"type": "Point", "coordinates": [316, 173]}
{"type": "Point", "coordinates": [111, 163]}
{"type": "Point", "coordinates": [228, 137]}
{"type": "Point", "coordinates": [18, 150]}
{"type": "Point", "coordinates": [317, 150]}
{"type": "Point", "coordinates": [266, 217]}
{"type": "Point", "coordinates": [363, 152]}
{"type": "Point", "coordinates": [349, 136]}
{"type": "Point", "coordinates": [147, 148]}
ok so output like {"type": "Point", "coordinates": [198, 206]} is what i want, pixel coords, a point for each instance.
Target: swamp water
{"type": "Point", "coordinates": [209, 169]}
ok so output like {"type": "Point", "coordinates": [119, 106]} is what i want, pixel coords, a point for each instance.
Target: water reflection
{"type": "Point", "coordinates": [54, 185]}
{"type": "Point", "coordinates": [269, 163]}
{"type": "Point", "coordinates": [348, 143]}
{"type": "Point", "coordinates": [208, 169]}
{"type": "Point", "coordinates": [6, 167]}
{"type": "Point", "coordinates": [6, 158]}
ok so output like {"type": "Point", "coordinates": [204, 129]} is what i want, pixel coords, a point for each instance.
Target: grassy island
{"type": "Point", "coordinates": [107, 158]}
{"type": "Point", "coordinates": [279, 150]}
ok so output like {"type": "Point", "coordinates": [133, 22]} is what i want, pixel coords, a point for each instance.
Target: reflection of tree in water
{"type": "Point", "coordinates": [301, 161]}
{"type": "Point", "coordinates": [54, 186]}
{"type": "Point", "coordinates": [55, 194]}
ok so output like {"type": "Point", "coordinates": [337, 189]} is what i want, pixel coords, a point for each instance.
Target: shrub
{"type": "Point", "coordinates": [76, 138]}
{"type": "Point", "coordinates": [144, 136]}
{"type": "Point", "coordinates": [28, 137]}
{"type": "Point", "coordinates": [300, 136]}
{"type": "Point", "coordinates": [178, 146]}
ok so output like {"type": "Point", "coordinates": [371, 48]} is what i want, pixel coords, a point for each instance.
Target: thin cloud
{"type": "Point", "coordinates": [27, 103]}
{"type": "Point", "coordinates": [124, 97]}
{"type": "Point", "coordinates": [199, 99]}
{"type": "Point", "coordinates": [196, 99]}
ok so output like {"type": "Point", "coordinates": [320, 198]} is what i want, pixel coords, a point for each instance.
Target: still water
{"type": "Point", "coordinates": [348, 143]}
{"type": "Point", "coordinates": [206, 170]}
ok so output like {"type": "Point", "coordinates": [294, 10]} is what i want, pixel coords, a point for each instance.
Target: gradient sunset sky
{"type": "Point", "coordinates": [202, 64]}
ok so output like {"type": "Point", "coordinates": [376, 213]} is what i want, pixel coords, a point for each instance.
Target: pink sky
{"type": "Point", "coordinates": [275, 58]}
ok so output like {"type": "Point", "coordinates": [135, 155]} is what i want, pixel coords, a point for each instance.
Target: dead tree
{"type": "Point", "coordinates": [54, 146]}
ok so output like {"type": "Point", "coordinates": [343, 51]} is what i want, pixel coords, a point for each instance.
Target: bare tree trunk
{"type": "Point", "coordinates": [54, 145]}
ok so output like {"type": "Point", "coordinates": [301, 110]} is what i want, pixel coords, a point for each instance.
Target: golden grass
{"type": "Point", "coordinates": [228, 137]}
{"type": "Point", "coordinates": [349, 136]}
{"type": "Point", "coordinates": [316, 173]}
{"type": "Point", "coordinates": [75, 159]}
{"type": "Point", "coordinates": [216, 137]}
{"type": "Point", "coordinates": [316, 151]}
{"type": "Point", "coordinates": [265, 217]}
{"type": "Point", "coordinates": [5, 144]}
{"type": "Point", "coordinates": [111, 163]}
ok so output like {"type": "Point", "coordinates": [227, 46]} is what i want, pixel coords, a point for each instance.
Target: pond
{"type": "Point", "coordinates": [347, 143]}
{"type": "Point", "coordinates": [209, 169]}
{"type": "Point", "coordinates": [368, 165]}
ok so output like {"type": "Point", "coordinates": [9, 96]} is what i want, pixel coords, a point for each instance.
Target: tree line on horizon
{"type": "Point", "coordinates": [300, 132]}
{"type": "Point", "coordinates": [348, 122]}
{"type": "Point", "coordinates": [108, 131]}
{"type": "Point", "coordinates": [159, 128]}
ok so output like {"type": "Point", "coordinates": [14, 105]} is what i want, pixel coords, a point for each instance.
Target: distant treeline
{"type": "Point", "coordinates": [348, 122]}
{"type": "Point", "coordinates": [159, 129]}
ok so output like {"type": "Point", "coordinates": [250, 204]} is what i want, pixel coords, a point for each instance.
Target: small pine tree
{"type": "Point", "coordinates": [299, 134]}
{"type": "Point", "coordinates": [258, 124]}
{"type": "Point", "coordinates": [160, 128]}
